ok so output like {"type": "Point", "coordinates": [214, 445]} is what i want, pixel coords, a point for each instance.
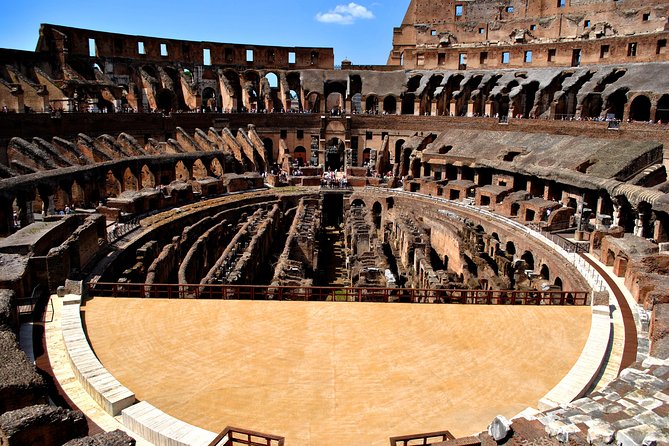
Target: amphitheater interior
{"type": "Point", "coordinates": [228, 244]}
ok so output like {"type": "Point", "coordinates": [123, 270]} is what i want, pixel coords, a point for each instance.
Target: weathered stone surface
{"type": "Point", "coordinates": [113, 438]}
{"type": "Point", "coordinates": [601, 434]}
{"type": "Point", "coordinates": [9, 319]}
{"type": "Point", "coordinates": [500, 428]}
{"type": "Point", "coordinates": [659, 331]}
{"type": "Point", "coordinates": [41, 426]}
{"type": "Point", "coordinates": [20, 384]}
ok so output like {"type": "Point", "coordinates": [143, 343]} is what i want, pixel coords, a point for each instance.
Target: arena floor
{"type": "Point", "coordinates": [335, 373]}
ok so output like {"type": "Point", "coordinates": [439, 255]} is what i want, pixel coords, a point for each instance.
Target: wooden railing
{"type": "Point", "coordinates": [338, 294]}
{"type": "Point", "coordinates": [421, 439]}
{"type": "Point", "coordinates": [233, 436]}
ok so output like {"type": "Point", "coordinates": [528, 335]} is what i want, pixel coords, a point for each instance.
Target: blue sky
{"type": "Point", "coordinates": [360, 31]}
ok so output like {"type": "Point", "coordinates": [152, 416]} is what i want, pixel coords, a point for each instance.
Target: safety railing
{"type": "Point", "coordinates": [338, 294]}
{"type": "Point", "coordinates": [233, 436]}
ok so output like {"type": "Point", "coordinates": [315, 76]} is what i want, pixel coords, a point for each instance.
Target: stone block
{"type": "Point", "coordinates": [20, 384]}
{"type": "Point", "coordinates": [113, 438]}
{"type": "Point", "coordinates": [41, 426]}
{"type": "Point", "coordinates": [601, 434]}
{"type": "Point", "coordinates": [500, 428]}
{"type": "Point", "coordinates": [634, 436]}
{"type": "Point", "coordinates": [9, 318]}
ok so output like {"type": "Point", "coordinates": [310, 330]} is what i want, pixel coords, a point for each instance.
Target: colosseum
{"type": "Point", "coordinates": [225, 244]}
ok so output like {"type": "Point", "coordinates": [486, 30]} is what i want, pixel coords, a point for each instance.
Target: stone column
{"type": "Point", "coordinates": [416, 107]}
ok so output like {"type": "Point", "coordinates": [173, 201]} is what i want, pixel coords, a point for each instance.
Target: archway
{"type": "Point", "coordinates": [314, 102]}
{"type": "Point", "coordinates": [510, 248]}
{"type": "Point", "coordinates": [181, 172]}
{"type": "Point", "coordinates": [112, 185]}
{"type": "Point", "coordinates": [372, 104]}
{"type": "Point", "coordinates": [640, 109]}
{"type": "Point", "coordinates": [591, 106]}
{"type": "Point", "coordinates": [130, 181]}
{"type": "Point", "coordinates": [294, 101]}
{"type": "Point", "coordinates": [216, 168]}
{"type": "Point", "coordinates": [408, 101]}
{"type": "Point", "coordinates": [356, 103]}
{"type": "Point", "coordinates": [376, 213]}
{"type": "Point", "coordinates": [166, 100]}
{"type": "Point", "coordinates": [334, 154]}
{"type": "Point", "coordinates": [390, 105]}
{"type": "Point", "coordinates": [545, 272]}
{"type": "Point", "coordinates": [209, 102]}
{"type": "Point", "coordinates": [365, 156]}
{"type": "Point", "coordinates": [334, 103]}
{"type": "Point", "coordinates": [147, 177]}
{"type": "Point", "coordinates": [529, 260]}
{"type": "Point", "coordinates": [662, 113]}
{"type": "Point", "coordinates": [615, 104]}
{"type": "Point", "coordinates": [300, 155]}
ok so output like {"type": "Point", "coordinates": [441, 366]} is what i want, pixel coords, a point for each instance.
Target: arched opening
{"type": "Point", "coordinates": [372, 104]}
{"type": "Point", "coordinates": [510, 248]}
{"type": "Point", "coordinates": [616, 104]}
{"type": "Point", "coordinates": [272, 80]}
{"type": "Point", "coordinates": [408, 101]}
{"type": "Point", "coordinates": [334, 154]}
{"type": "Point", "coordinates": [376, 213]}
{"type": "Point", "coordinates": [232, 100]}
{"type": "Point", "coordinates": [166, 100]}
{"type": "Point", "coordinates": [112, 185]}
{"type": "Point", "coordinates": [314, 102]}
{"type": "Point", "coordinates": [558, 283]}
{"type": "Point", "coordinates": [181, 172]}
{"type": "Point", "coordinates": [390, 202]}
{"type": "Point", "coordinates": [398, 150]}
{"type": "Point", "coordinates": [390, 105]}
{"type": "Point", "coordinates": [78, 195]}
{"type": "Point", "coordinates": [130, 181]}
{"type": "Point", "coordinates": [529, 260]}
{"type": "Point", "coordinates": [255, 102]}
{"type": "Point", "coordinates": [294, 101]}
{"type": "Point", "coordinates": [300, 156]}
{"type": "Point", "coordinates": [358, 202]}
{"type": "Point", "coordinates": [199, 170]}
{"type": "Point", "coordinates": [662, 112]}
{"type": "Point", "coordinates": [640, 109]}
{"type": "Point", "coordinates": [515, 208]}
{"type": "Point", "coordinates": [209, 102]}
{"type": "Point", "coordinates": [269, 150]}
{"type": "Point", "coordinates": [365, 156]}
{"type": "Point", "coordinates": [335, 103]}
{"type": "Point", "coordinates": [592, 106]}
{"type": "Point", "coordinates": [105, 106]}
{"type": "Point", "coordinates": [545, 272]}
{"type": "Point", "coordinates": [356, 103]}
{"type": "Point", "coordinates": [216, 168]}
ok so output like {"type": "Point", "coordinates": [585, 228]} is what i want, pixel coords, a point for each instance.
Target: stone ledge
{"type": "Point", "coordinates": [162, 429]}
{"type": "Point", "coordinates": [587, 367]}
{"type": "Point", "coordinates": [110, 394]}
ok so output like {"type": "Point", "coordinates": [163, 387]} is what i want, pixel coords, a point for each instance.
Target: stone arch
{"type": "Point", "coordinates": [199, 170]}
{"type": "Point", "coordinates": [273, 93]}
{"type": "Point", "coordinates": [356, 103]}
{"type": "Point", "coordinates": [313, 102]}
{"type": "Point", "coordinates": [545, 272]}
{"type": "Point", "coordinates": [253, 98]}
{"type": "Point", "coordinates": [510, 248]}
{"type": "Point", "coordinates": [130, 180]}
{"type": "Point", "coordinates": [166, 100]}
{"type": "Point", "coordinates": [295, 86]}
{"type": "Point", "coordinates": [216, 168]}
{"type": "Point", "coordinates": [640, 108]}
{"type": "Point", "coordinates": [398, 150]}
{"type": "Point", "coordinates": [528, 257]}
{"type": "Point", "coordinates": [78, 194]}
{"type": "Point", "coordinates": [181, 172]}
{"type": "Point", "coordinates": [662, 111]}
{"type": "Point", "coordinates": [210, 101]}
{"type": "Point", "coordinates": [359, 202]}
{"type": "Point", "coordinates": [376, 214]}
{"type": "Point", "coordinates": [591, 107]}
{"type": "Point", "coordinates": [232, 99]}
{"type": "Point", "coordinates": [390, 105]}
{"type": "Point", "coordinates": [147, 177]}
{"type": "Point", "coordinates": [372, 104]}
{"type": "Point", "coordinates": [408, 101]}
{"type": "Point", "coordinates": [615, 104]}
{"type": "Point", "coordinates": [558, 283]}
{"type": "Point", "coordinates": [300, 155]}
{"type": "Point", "coordinates": [334, 154]}
{"type": "Point", "coordinates": [334, 103]}
{"type": "Point", "coordinates": [112, 185]}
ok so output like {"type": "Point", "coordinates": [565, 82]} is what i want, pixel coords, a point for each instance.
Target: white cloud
{"type": "Point", "coordinates": [345, 14]}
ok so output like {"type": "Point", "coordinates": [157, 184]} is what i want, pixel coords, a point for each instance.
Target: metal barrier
{"type": "Point", "coordinates": [421, 439]}
{"type": "Point", "coordinates": [338, 294]}
{"type": "Point", "coordinates": [122, 229]}
{"type": "Point", "coordinates": [233, 436]}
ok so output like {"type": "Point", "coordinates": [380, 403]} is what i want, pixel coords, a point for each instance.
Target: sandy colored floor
{"type": "Point", "coordinates": [335, 373]}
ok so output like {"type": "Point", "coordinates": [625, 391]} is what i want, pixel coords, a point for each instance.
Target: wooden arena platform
{"type": "Point", "coordinates": [322, 373]}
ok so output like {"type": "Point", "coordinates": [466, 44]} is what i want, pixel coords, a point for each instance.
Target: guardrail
{"type": "Point", "coordinates": [233, 436]}
{"type": "Point", "coordinates": [338, 294]}
{"type": "Point", "coordinates": [421, 439]}
{"type": "Point", "coordinates": [122, 229]}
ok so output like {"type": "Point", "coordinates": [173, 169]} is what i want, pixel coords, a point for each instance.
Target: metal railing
{"type": "Point", "coordinates": [338, 294]}
{"type": "Point", "coordinates": [421, 439]}
{"type": "Point", "coordinates": [233, 436]}
{"type": "Point", "coordinates": [122, 229]}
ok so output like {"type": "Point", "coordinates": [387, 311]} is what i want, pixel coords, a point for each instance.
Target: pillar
{"type": "Point", "coordinates": [416, 107]}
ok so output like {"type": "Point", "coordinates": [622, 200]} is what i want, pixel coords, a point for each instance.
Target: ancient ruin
{"type": "Point", "coordinates": [509, 157]}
